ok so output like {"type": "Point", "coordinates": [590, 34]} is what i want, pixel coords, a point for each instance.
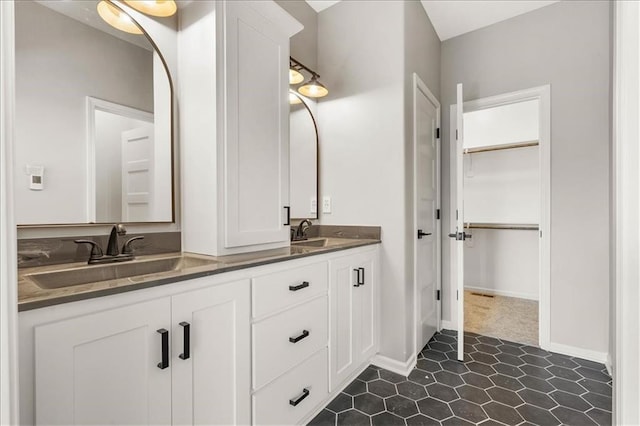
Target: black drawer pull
{"type": "Point", "coordinates": [362, 283]}
{"type": "Point", "coordinates": [304, 284]}
{"type": "Point", "coordinates": [298, 400]}
{"type": "Point", "coordinates": [304, 334]}
{"type": "Point", "coordinates": [165, 349]}
{"type": "Point", "coordinates": [186, 329]}
{"type": "Point", "coordinates": [288, 216]}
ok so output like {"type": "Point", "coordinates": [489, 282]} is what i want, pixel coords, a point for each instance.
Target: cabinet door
{"type": "Point", "coordinates": [365, 308]}
{"type": "Point", "coordinates": [256, 142]}
{"type": "Point", "coordinates": [343, 360]}
{"type": "Point", "coordinates": [103, 368]}
{"type": "Point", "coordinates": [212, 385]}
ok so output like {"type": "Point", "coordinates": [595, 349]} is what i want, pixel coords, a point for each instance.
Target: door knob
{"type": "Point", "coordinates": [422, 234]}
{"type": "Point", "coordinates": [460, 236]}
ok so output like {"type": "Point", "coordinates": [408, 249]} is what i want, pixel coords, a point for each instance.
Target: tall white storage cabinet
{"type": "Point", "coordinates": [234, 123]}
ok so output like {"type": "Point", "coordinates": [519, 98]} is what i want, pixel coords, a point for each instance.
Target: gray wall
{"type": "Point", "coordinates": [304, 45]}
{"type": "Point", "coordinates": [566, 45]}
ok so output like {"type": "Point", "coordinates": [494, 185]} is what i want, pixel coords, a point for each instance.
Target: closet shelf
{"type": "Point", "coordinates": [501, 147]}
{"type": "Point", "coordinates": [513, 226]}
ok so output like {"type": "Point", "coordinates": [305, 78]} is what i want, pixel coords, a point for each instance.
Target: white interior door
{"type": "Point", "coordinates": [137, 174]}
{"type": "Point", "coordinates": [459, 234]}
{"type": "Point", "coordinates": [426, 171]}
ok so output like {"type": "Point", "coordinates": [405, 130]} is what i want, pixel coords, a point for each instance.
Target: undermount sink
{"type": "Point", "coordinates": [96, 273]}
{"type": "Point", "coordinates": [321, 242]}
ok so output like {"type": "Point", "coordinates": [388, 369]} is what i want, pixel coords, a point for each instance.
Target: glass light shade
{"type": "Point", "coordinates": [313, 89]}
{"type": "Point", "coordinates": [161, 8]}
{"type": "Point", "coordinates": [294, 99]}
{"type": "Point", "coordinates": [295, 77]}
{"type": "Point", "coordinates": [117, 18]}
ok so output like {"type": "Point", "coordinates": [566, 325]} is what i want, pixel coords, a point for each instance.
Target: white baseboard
{"type": "Point", "coordinates": [448, 325]}
{"type": "Point", "coordinates": [601, 357]}
{"type": "Point", "coordinates": [609, 365]}
{"type": "Point", "coordinates": [402, 368]}
{"type": "Point", "coordinates": [502, 293]}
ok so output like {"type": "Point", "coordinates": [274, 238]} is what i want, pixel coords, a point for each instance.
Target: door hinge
{"type": "Point", "coordinates": [437, 294]}
{"type": "Point", "coordinates": [456, 134]}
{"type": "Point", "coordinates": [456, 294]}
{"type": "Point", "coordinates": [437, 214]}
{"type": "Point", "coordinates": [438, 133]}
{"type": "Point", "coordinates": [456, 214]}
{"type": "Point", "coordinates": [540, 234]}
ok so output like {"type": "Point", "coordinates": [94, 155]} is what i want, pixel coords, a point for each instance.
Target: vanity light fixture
{"type": "Point", "coordinates": [312, 88]}
{"type": "Point", "coordinates": [117, 18]}
{"type": "Point", "coordinates": [294, 98]}
{"type": "Point", "coordinates": [160, 8]}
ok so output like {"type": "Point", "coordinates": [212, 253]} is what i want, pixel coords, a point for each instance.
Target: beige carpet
{"type": "Point", "coordinates": [507, 318]}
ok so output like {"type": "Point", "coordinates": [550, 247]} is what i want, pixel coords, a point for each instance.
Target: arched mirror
{"type": "Point", "coordinates": [93, 134]}
{"type": "Point", "coordinates": [303, 157]}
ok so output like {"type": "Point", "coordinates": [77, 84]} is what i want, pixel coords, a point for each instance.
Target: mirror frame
{"type": "Point", "coordinates": [172, 138]}
{"type": "Point", "coordinates": [315, 128]}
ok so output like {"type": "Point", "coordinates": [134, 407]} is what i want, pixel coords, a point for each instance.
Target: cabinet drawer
{"type": "Point", "coordinates": [275, 403]}
{"type": "Point", "coordinates": [282, 341]}
{"type": "Point", "coordinates": [279, 290]}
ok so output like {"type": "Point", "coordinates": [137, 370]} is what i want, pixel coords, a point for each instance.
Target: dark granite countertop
{"type": "Point", "coordinates": [32, 296]}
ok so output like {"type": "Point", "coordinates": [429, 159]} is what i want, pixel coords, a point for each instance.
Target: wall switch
{"type": "Point", "coordinates": [326, 205]}
{"type": "Point", "coordinates": [36, 177]}
{"type": "Point", "coordinates": [313, 205]}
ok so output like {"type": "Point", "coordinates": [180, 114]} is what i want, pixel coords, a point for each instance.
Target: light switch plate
{"type": "Point", "coordinates": [326, 205]}
{"type": "Point", "coordinates": [313, 206]}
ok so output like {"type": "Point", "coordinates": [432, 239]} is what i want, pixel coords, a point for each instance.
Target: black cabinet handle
{"type": "Point", "coordinates": [304, 334]}
{"type": "Point", "coordinates": [360, 279]}
{"type": "Point", "coordinates": [357, 271]}
{"type": "Point", "coordinates": [165, 349]}
{"type": "Point", "coordinates": [288, 215]}
{"type": "Point", "coordinates": [422, 234]}
{"type": "Point", "coordinates": [304, 284]}
{"type": "Point", "coordinates": [362, 283]}
{"type": "Point", "coordinates": [186, 329]}
{"type": "Point", "coordinates": [298, 400]}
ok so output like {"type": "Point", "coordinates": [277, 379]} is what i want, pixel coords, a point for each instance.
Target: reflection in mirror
{"type": "Point", "coordinates": [93, 137]}
{"type": "Point", "coordinates": [303, 157]}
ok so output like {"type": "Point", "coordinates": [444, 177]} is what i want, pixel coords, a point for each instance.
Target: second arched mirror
{"type": "Point", "coordinates": [303, 157]}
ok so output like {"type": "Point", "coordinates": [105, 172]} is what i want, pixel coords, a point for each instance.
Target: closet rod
{"type": "Point", "coordinates": [519, 227]}
{"type": "Point", "coordinates": [501, 147]}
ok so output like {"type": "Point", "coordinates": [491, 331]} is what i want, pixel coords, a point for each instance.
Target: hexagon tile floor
{"type": "Point", "coordinates": [500, 383]}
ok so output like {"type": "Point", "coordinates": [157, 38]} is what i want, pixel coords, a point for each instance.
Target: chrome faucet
{"type": "Point", "coordinates": [113, 253]}
{"type": "Point", "coordinates": [301, 231]}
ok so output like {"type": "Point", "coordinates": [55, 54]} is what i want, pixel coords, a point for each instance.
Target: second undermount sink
{"type": "Point", "coordinates": [96, 273]}
{"type": "Point", "coordinates": [321, 242]}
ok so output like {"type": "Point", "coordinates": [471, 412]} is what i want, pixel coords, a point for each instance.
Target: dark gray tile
{"type": "Point", "coordinates": [434, 355]}
{"type": "Point", "coordinates": [386, 419]}
{"type": "Point", "coordinates": [456, 421]}
{"type": "Point", "coordinates": [572, 417]}
{"type": "Point", "coordinates": [340, 403]}
{"type": "Point", "coordinates": [440, 347]}
{"type": "Point", "coordinates": [589, 364]}
{"type": "Point", "coordinates": [355, 388]}
{"type": "Point", "coordinates": [539, 372]}
{"type": "Point", "coordinates": [570, 401]}
{"type": "Point", "coordinates": [381, 388]}
{"type": "Point", "coordinates": [434, 408]}
{"type": "Point", "coordinates": [468, 411]}
{"type": "Point", "coordinates": [353, 418]}
{"type": "Point", "coordinates": [502, 413]}
{"type": "Point", "coordinates": [537, 415]}
{"type": "Point", "coordinates": [471, 334]}
{"type": "Point", "coordinates": [592, 374]}
{"type": "Point", "coordinates": [490, 422]}
{"type": "Point", "coordinates": [442, 392]}
{"type": "Point", "coordinates": [428, 365]}
{"type": "Point", "coordinates": [473, 394]}
{"type": "Point", "coordinates": [562, 361]}
{"type": "Point", "coordinates": [488, 349]}
{"type": "Point", "coordinates": [369, 403]}
{"type": "Point", "coordinates": [536, 398]}
{"type": "Point", "coordinates": [453, 333]}
{"type": "Point", "coordinates": [390, 376]}
{"type": "Point", "coordinates": [453, 356]}
{"type": "Point", "coordinates": [401, 406]}
{"type": "Point", "coordinates": [484, 358]}
{"type": "Point", "coordinates": [480, 368]}
{"type": "Point", "coordinates": [563, 373]}
{"type": "Point", "coordinates": [509, 359]}
{"type": "Point", "coordinates": [601, 417]}
{"type": "Point", "coordinates": [511, 350]}
{"type": "Point", "coordinates": [506, 382]}
{"type": "Point", "coordinates": [451, 340]}
{"type": "Point", "coordinates": [535, 351]}
{"type": "Point", "coordinates": [422, 420]}
{"type": "Point", "coordinates": [536, 384]}
{"type": "Point", "coordinates": [448, 378]}
{"type": "Point", "coordinates": [505, 396]}
{"type": "Point", "coordinates": [454, 366]}
{"type": "Point", "coordinates": [421, 377]}
{"type": "Point", "coordinates": [411, 390]}
{"type": "Point", "coordinates": [567, 385]}
{"type": "Point", "coordinates": [477, 380]}
{"type": "Point", "coordinates": [535, 360]}
{"type": "Point", "coordinates": [369, 374]}
{"type": "Point", "coordinates": [489, 340]}
{"type": "Point", "coordinates": [325, 418]}
{"type": "Point", "coordinates": [598, 401]}
{"type": "Point", "coordinates": [597, 387]}
{"type": "Point", "coordinates": [508, 370]}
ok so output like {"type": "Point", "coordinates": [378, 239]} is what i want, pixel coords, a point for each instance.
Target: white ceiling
{"type": "Point", "coordinates": [451, 18]}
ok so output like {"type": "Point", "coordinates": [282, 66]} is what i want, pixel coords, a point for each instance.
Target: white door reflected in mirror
{"type": "Point", "coordinates": [303, 157]}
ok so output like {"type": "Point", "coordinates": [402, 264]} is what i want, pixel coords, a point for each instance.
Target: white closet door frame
{"type": "Point", "coordinates": [543, 95]}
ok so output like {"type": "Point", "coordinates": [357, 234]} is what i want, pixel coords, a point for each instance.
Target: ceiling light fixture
{"type": "Point", "coordinates": [117, 18]}
{"type": "Point", "coordinates": [294, 98]}
{"type": "Point", "coordinates": [160, 8]}
{"type": "Point", "coordinates": [312, 88]}
{"type": "Point", "coordinates": [295, 77]}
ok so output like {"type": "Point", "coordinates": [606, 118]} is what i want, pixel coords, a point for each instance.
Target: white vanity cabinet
{"type": "Point", "coordinates": [354, 313]}
{"type": "Point", "coordinates": [133, 365]}
{"type": "Point", "coordinates": [234, 123]}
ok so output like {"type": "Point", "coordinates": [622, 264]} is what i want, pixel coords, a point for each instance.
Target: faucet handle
{"type": "Point", "coordinates": [96, 251]}
{"type": "Point", "coordinates": [126, 247]}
